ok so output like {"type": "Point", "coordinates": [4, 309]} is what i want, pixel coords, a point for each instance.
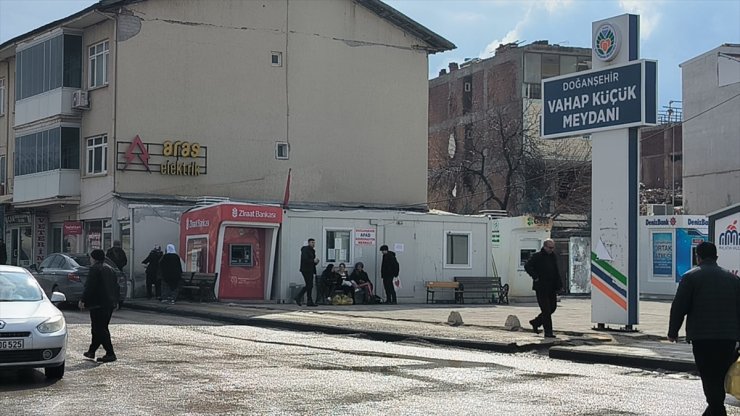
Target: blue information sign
{"type": "Point", "coordinates": [616, 97]}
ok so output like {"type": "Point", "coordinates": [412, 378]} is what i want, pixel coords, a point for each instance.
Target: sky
{"type": "Point", "coordinates": [672, 31]}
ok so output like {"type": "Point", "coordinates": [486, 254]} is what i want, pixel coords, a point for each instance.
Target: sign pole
{"type": "Point", "coordinates": [609, 102]}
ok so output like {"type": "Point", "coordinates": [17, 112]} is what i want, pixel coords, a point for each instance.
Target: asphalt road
{"type": "Point", "coordinates": [173, 365]}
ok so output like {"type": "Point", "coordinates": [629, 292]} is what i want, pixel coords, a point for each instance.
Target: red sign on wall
{"type": "Point", "coordinates": [72, 228]}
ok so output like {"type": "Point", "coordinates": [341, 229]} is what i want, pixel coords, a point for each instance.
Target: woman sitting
{"type": "Point", "coordinates": [361, 281]}
{"type": "Point", "coordinates": [329, 280]}
{"type": "Point", "coordinates": [345, 285]}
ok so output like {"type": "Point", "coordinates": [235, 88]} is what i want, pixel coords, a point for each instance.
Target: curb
{"type": "Point", "coordinates": [334, 330]}
{"type": "Point", "coordinates": [623, 360]}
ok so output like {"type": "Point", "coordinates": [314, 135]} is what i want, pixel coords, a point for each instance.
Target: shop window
{"type": "Point", "coordinates": [196, 254]}
{"type": "Point", "coordinates": [93, 235]}
{"type": "Point", "coordinates": [457, 249]}
{"type": "Point", "coordinates": [337, 246]}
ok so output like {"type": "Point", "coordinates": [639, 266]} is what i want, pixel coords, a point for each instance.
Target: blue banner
{"type": "Point", "coordinates": [616, 97]}
{"type": "Point", "coordinates": [663, 254]}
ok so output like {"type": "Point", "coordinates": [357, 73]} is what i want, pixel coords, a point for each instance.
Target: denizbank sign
{"type": "Point", "coordinates": [620, 96]}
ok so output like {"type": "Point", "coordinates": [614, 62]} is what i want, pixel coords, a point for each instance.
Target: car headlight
{"type": "Point", "coordinates": [51, 325]}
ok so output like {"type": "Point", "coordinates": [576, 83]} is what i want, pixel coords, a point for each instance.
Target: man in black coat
{"type": "Point", "coordinates": [389, 270]}
{"type": "Point", "coordinates": [152, 269]}
{"type": "Point", "coordinates": [543, 268]}
{"type": "Point", "coordinates": [308, 270]}
{"type": "Point", "coordinates": [100, 297]}
{"type": "Point", "coordinates": [3, 252]}
{"type": "Point", "coordinates": [710, 298]}
{"type": "Point", "coordinates": [117, 255]}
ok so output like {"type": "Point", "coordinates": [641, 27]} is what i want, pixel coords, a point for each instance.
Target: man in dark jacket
{"type": "Point", "coordinates": [3, 252]}
{"type": "Point", "coordinates": [389, 270]}
{"type": "Point", "coordinates": [152, 268]}
{"type": "Point", "coordinates": [710, 298]}
{"type": "Point", "coordinates": [308, 270]}
{"type": "Point", "coordinates": [117, 255]}
{"type": "Point", "coordinates": [543, 268]}
{"type": "Point", "coordinates": [100, 297]}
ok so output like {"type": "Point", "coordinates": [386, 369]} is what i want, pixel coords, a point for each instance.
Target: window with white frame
{"type": "Point", "coordinates": [97, 154]}
{"type": "Point", "coordinates": [98, 73]}
{"type": "Point", "coordinates": [281, 150]}
{"type": "Point", "coordinates": [2, 96]}
{"type": "Point", "coordinates": [457, 249]}
{"type": "Point", "coordinates": [337, 246]}
{"type": "Point", "coordinates": [276, 58]}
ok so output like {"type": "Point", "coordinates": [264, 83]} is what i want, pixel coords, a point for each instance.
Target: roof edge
{"type": "Point", "coordinates": [436, 42]}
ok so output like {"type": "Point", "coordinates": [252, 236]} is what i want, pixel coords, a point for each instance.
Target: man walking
{"type": "Point", "coordinates": [117, 255]}
{"type": "Point", "coordinates": [152, 269]}
{"type": "Point", "coordinates": [389, 270]}
{"type": "Point", "coordinates": [543, 268]}
{"type": "Point", "coordinates": [100, 296]}
{"type": "Point", "coordinates": [709, 296]}
{"type": "Point", "coordinates": [308, 270]}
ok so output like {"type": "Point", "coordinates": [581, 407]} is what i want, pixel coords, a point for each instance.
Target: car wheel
{"type": "Point", "coordinates": [55, 373]}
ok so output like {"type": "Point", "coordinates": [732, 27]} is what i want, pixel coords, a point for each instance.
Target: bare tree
{"type": "Point", "coordinates": [496, 161]}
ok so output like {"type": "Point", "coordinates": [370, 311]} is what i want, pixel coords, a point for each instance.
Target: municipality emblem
{"type": "Point", "coordinates": [606, 42]}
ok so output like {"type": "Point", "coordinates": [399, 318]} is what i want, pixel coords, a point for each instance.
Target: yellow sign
{"type": "Point", "coordinates": [180, 149]}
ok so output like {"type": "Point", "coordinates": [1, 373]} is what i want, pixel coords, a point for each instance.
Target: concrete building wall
{"type": "Point", "coordinates": [350, 99]}
{"type": "Point", "coordinates": [711, 132]}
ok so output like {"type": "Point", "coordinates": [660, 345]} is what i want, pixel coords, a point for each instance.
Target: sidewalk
{"type": "Point", "coordinates": [483, 327]}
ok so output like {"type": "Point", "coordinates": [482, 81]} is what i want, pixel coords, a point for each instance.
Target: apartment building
{"type": "Point", "coordinates": [157, 103]}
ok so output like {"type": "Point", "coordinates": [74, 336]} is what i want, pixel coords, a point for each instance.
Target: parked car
{"type": "Point", "coordinates": [33, 333]}
{"type": "Point", "coordinates": [67, 273]}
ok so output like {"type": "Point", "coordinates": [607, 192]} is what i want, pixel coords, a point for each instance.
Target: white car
{"type": "Point", "coordinates": [33, 333]}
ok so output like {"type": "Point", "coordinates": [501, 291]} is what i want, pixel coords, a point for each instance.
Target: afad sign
{"type": "Point", "coordinates": [604, 99]}
{"type": "Point", "coordinates": [170, 157]}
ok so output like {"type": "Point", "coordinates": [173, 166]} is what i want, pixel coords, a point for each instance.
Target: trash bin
{"type": "Point", "coordinates": [294, 288]}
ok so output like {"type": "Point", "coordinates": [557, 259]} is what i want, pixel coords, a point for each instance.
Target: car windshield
{"type": "Point", "coordinates": [18, 286]}
{"type": "Point", "coordinates": [81, 260]}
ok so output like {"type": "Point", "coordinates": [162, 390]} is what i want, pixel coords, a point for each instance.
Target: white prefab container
{"type": "Point", "coordinates": [514, 240]}
{"type": "Point", "coordinates": [429, 246]}
{"type": "Point", "coordinates": [666, 250]}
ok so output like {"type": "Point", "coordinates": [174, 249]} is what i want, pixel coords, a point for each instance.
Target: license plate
{"type": "Point", "coordinates": [11, 344]}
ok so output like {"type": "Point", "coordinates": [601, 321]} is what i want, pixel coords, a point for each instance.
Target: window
{"type": "Point", "coordinates": [49, 65]}
{"type": "Point", "coordinates": [2, 174]}
{"type": "Point", "coordinates": [281, 150]}
{"type": "Point", "coordinates": [337, 246]}
{"type": "Point", "coordinates": [2, 96]}
{"type": "Point", "coordinates": [47, 150]}
{"type": "Point", "coordinates": [276, 58]}
{"type": "Point", "coordinates": [98, 71]}
{"type": "Point", "coordinates": [457, 249]}
{"type": "Point", "coordinates": [550, 65]}
{"type": "Point", "coordinates": [97, 154]}
{"type": "Point", "coordinates": [467, 87]}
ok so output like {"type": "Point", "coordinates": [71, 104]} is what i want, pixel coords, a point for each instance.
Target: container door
{"type": "Point", "coordinates": [242, 274]}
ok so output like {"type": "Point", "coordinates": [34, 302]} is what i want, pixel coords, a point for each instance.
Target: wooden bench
{"type": "Point", "coordinates": [434, 286]}
{"type": "Point", "coordinates": [200, 284]}
{"type": "Point", "coordinates": [483, 287]}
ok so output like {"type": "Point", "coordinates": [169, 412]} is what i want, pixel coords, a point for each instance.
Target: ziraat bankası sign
{"type": "Point", "coordinates": [619, 96]}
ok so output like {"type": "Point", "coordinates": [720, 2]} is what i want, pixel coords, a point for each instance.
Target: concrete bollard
{"type": "Point", "coordinates": [455, 319]}
{"type": "Point", "coordinates": [512, 323]}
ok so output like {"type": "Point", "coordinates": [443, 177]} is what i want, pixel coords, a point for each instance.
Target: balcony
{"type": "Point", "coordinates": [39, 186]}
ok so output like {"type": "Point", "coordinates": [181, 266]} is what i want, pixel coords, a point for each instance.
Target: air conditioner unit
{"type": "Point", "coordinates": [79, 100]}
{"type": "Point", "coordinates": [657, 209]}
